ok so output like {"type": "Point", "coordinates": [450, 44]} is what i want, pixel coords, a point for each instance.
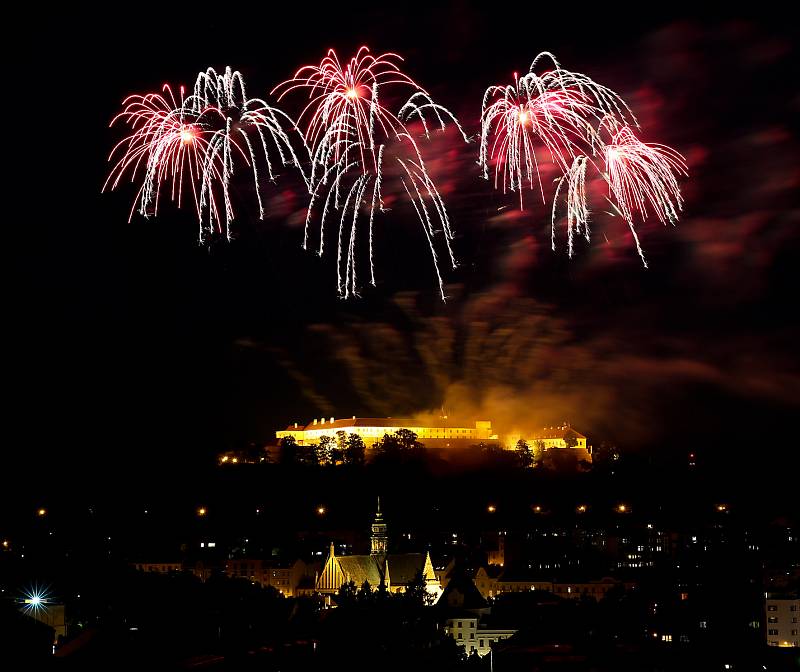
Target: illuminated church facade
{"type": "Point", "coordinates": [394, 570]}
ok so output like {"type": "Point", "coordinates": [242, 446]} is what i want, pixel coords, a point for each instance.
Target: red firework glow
{"type": "Point", "coordinates": [343, 101]}
{"type": "Point", "coordinates": [563, 114]}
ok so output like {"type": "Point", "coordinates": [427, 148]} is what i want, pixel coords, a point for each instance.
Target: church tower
{"type": "Point", "coordinates": [378, 538]}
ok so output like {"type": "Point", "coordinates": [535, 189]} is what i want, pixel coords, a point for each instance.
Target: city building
{"type": "Point", "coordinates": [491, 584]}
{"type": "Point", "coordinates": [467, 617]}
{"type": "Point", "coordinates": [783, 619]}
{"type": "Point", "coordinates": [562, 436]}
{"type": "Point", "coordinates": [441, 433]}
{"type": "Point", "coordinates": [469, 631]}
{"type": "Point", "coordinates": [285, 577]}
{"type": "Point", "coordinates": [160, 567]}
{"type": "Point", "coordinates": [394, 570]}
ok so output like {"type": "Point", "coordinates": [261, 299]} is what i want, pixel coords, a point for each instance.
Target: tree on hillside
{"type": "Point", "coordinates": [561, 460]}
{"type": "Point", "coordinates": [288, 450]}
{"type": "Point", "coordinates": [355, 450]}
{"type": "Point", "coordinates": [401, 446]}
{"type": "Point", "coordinates": [570, 438]}
{"type": "Point", "coordinates": [524, 455]}
{"type": "Point", "coordinates": [417, 591]}
{"type": "Point", "coordinates": [339, 448]}
{"type": "Point", "coordinates": [365, 595]}
{"type": "Point", "coordinates": [347, 594]}
{"type": "Point", "coordinates": [325, 450]}
{"type": "Point", "coordinates": [538, 452]}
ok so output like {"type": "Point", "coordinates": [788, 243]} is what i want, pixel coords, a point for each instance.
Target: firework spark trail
{"type": "Point", "coordinates": [348, 129]}
{"type": "Point", "coordinates": [577, 209]}
{"type": "Point", "coordinates": [220, 102]}
{"type": "Point", "coordinates": [199, 139]}
{"type": "Point", "coordinates": [641, 173]}
{"type": "Point", "coordinates": [567, 113]}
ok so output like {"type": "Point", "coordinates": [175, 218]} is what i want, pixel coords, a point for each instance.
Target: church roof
{"type": "Point", "coordinates": [462, 593]}
{"type": "Point", "coordinates": [402, 567]}
{"type": "Point", "coordinates": [360, 568]}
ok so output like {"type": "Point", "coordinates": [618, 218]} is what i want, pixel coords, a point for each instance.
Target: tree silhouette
{"type": "Point", "coordinates": [355, 450]}
{"type": "Point", "coordinates": [524, 455]}
{"type": "Point", "coordinates": [288, 450]}
{"type": "Point", "coordinates": [325, 450]}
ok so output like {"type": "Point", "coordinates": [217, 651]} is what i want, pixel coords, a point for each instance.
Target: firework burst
{"type": "Point", "coordinates": [641, 173]}
{"type": "Point", "coordinates": [350, 132]}
{"type": "Point", "coordinates": [166, 145]}
{"type": "Point", "coordinates": [195, 142]}
{"type": "Point", "coordinates": [564, 116]}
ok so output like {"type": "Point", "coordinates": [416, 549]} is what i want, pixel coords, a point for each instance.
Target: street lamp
{"type": "Point", "coordinates": [202, 511]}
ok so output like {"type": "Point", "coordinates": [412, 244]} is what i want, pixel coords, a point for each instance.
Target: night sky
{"type": "Point", "coordinates": [130, 344]}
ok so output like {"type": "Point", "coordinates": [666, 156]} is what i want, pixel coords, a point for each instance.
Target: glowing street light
{"type": "Point", "coordinates": [202, 511]}
{"type": "Point", "coordinates": [722, 508]}
{"type": "Point", "coordinates": [582, 508]}
{"type": "Point", "coordinates": [491, 508]}
{"type": "Point", "coordinates": [536, 508]}
{"type": "Point", "coordinates": [35, 600]}
{"type": "Point", "coordinates": [321, 510]}
{"type": "Point", "coordinates": [41, 513]}
{"type": "Point", "coordinates": [623, 508]}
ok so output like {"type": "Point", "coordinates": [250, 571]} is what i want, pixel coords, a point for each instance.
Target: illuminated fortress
{"type": "Point", "coordinates": [440, 433]}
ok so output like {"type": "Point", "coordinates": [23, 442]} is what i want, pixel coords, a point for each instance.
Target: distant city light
{"type": "Point", "coordinates": [722, 508]}
{"type": "Point", "coordinates": [202, 511]}
{"type": "Point", "coordinates": [537, 509]}
{"type": "Point", "coordinates": [582, 508]}
{"type": "Point", "coordinates": [321, 510]}
{"type": "Point", "coordinates": [622, 508]}
{"type": "Point", "coordinates": [41, 512]}
{"type": "Point", "coordinates": [491, 508]}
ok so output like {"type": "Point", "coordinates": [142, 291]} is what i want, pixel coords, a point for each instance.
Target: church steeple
{"type": "Point", "coordinates": [378, 538]}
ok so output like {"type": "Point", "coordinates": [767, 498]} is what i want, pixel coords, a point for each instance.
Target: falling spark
{"type": "Point", "coordinates": [641, 173]}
